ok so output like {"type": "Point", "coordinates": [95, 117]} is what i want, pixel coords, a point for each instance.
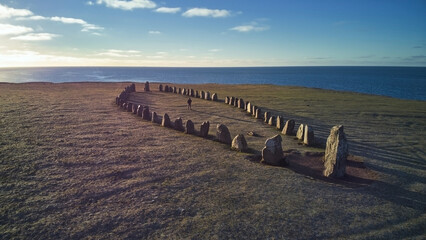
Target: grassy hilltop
{"type": "Point", "coordinates": [73, 165]}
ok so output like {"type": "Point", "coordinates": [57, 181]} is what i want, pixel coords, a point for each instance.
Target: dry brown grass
{"type": "Point", "coordinates": [75, 166]}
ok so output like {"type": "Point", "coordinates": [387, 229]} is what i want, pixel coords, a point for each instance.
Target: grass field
{"type": "Point", "coordinates": [74, 165]}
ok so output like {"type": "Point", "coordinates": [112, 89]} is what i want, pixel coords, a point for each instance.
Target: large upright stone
{"type": "Point", "coordinates": [280, 123]}
{"type": "Point", "coordinates": [289, 127]}
{"type": "Point", "coordinates": [231, 101]}
{"type": "Point", "coordinates": [191, 92]}
{"type": "Point", "coordinates": [207, 96]}
{"type": "Point", "coordinates": [180, 91]}
{"type": "Point", "coordinates": [129, 107]}
{"type": "Point", "coordinates": [174, 90]}
{"type": "Point", "coordinates": [197, 94]}
{"type": "Point", "coordinates": [139, 111]}
{"type": "Point", "coordinates": [241, 103]}
{"type": "Point", "coordinates": [146, 88]}
{"type": "Point", "coordinates": [258, 114]}
{"type": "Point", "coordinates": [189, 129]}
{"type": "Point", "coordinates": [227, 100]}
{"type": "Point", "coordinates": [239, 143]}
{"type": "Point", "coordinates": [300, 132]}
{"type": "Point", "coordinates": [145, 113]}
{"type": "Point", "coordinates": [160, 87]}
{"type": "Point", "coordinates": [179, 125]}
{"type": "Point", "coordinates": [214, 97]}
{"type": "Point", "coordinates": [271, 121]}
{"type": "Point", "coordinates": [166, 121]}
{"type": "Point", "coordinates": [166, 88]}
{"type": "Point", "coordinates": [154, 117]}
{"type": "Point", "coordinates": [204, 130]}
{"type": "Point", "coordinates": [253, 110]}
{"type": "Point", "coordinates": [236, 102]}
{"type": "Point", "coordinates": [272, 153]}
{"type": "Point", "coordinates": [132, 87]}
{"type": "Point", "coordinates": [183, 91]}
{"type": "Point", "coordinates": [134, 108]}
{"type": "Point", "coordinates": [222, 134]}
{"type": "Point", "coordinates": [248, 107]}
{"type": "Point", "coordinates": [308, 138]}
{"type": "Point", "coordinates": [336, 153]}
{"type": "Point", "coordinates": [266, 117]}
{"type": "Point", "coordinates": [202, 94]}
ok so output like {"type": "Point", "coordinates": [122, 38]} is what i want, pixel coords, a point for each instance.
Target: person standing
{"type": "Point", "coordinates": [189, 103]}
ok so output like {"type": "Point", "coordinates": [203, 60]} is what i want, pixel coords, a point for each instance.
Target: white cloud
{"type": "Point", "coordinates": [7, 12]}
{"type": "Point", "coordinates": [87, 27]}
{"type": "Point", "coordinates": [7, 29]}
{"type": "Point", "coordinates": [154, 32]}
{"type": "Point", "coordinates": [127, 5]}
{"type": "Point", "coordinates": [32, 18]}
{"type": "Point", "coordinates": [249, 28]}
{"type": "Point", "coordinates": [90, 3]}
{"type": "Point", "coordinates": [205, 12]}
{"type": "Point", "coordinates": [120, 53]}
{"type": "Point", "coordinates": [35, 37]}
{"type": "Point", "coordinates": [167, 10]}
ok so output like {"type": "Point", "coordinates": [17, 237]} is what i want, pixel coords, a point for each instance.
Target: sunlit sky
{"type": "Point", "coordinates": [195, 33]}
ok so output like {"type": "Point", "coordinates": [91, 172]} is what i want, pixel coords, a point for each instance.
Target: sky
{"type": "Point", "coordinates": [212, 33]}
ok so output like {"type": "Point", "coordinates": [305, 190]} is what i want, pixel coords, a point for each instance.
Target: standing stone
{"type": "Point", "coordinates": [180, 91]}
{"type": "Point", "coordinates": [248, 107]}
{"type": "Point", "coordinates": [202, 95]}
{"type": "Point", "coordinates": [309, 138]}
{"type": "Point", "coordinates": [166, 88]}
{"type": "Point", "coordinates": [336, 153]}
{"type": "Point", "coordinates": [139, 111]}
{"type": "Point", "coordinates": [197, 94]}
{"type": "Point", "coordinates": [183, 91]}
{"type": "Point", "coordinates": [179, 125]}
{"type": "Point", "coordinates": [174, 90]}
{"type": "Point", "coordinates": [154, 117]}
{"type": "Point", "coordinates": [253, 110]}
{"type": "Point", "coordinates": [271, 121]}
{"type": "Point", "coordinates": [129, 107]}
{"type": "Point", "coordinates": [222, 134]}
{"type": "Point", "coordinates": [133, 88]}
{"type": "Point", "coordinates": [134, 108]}
{"type": "Point", "coordinates": [236, 102]}
{"type": "Point", "coordinates": [146, 88]}
{"type": "Point", "coordinates": [145, 113]}
{"type": "Point", "coordinates": [280, 123]}
{"type": "Point", "coordinates": [214, 97]}
{"type": "Point", "coordinates": [160, 87]}
{"type": "Point", "coordinates": [267, 116]}
{"type": "Point", "coordinates": [189, 127]}
{"type": "Point", "coordinates": [124, 105]}
{"type": "Point", "coordinates": [241, 103]}
{"type": "Point", "coordinates": [300, 132]}
{"type": "Point", "coordinates": [272, 153]}
{"type": "Point", "coordinates": [192, 92]}
{"type": "Point", "coordinates": [289, 127]}
{"type": "Point", "coordinates": [204, 130]}
{"type": "Point", "coordinates": [231, 101]}
{"type": "Point", "coordinates": [239, 143]}
{"type": "Point", "coordinates": [166, 121]}
{"type": "Point", "coordinates": [227, 100]}
{"type": "Point", "coordinates": [207, 96]}
{"type": "Point", "coordinates": [258, 113]}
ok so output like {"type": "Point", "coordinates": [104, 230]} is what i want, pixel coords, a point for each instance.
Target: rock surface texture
{"type": "Point", "coordinates": [189, 129]}
{"type": "Point", "coordinates": [272, 153]}
{"type": "Point", "coordinates": [336, 153]}
{"type": "Point", "coordinates": [166, 121]}
{"type": "Point", "coordinates": [288, 127]}
{"type": "Point", "coordinates": [222, 134]}
{"type": "Point", "coordinates": [204, 130]}
{"type": "Point", "coordinates": [300, 132]}
{"type": "Point", "coordinates": [239, 143]}
{"type": "Point", "coordinates": [309, 138]}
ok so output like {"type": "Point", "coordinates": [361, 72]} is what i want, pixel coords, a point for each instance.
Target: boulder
{"type": "Point", "coordinates": [336, 153]}
{"type": "Point", "coordinates": [180, 91]}
{"type": "Point", "coordinates": [197, 94]}
{"type": "Point", "coordinates": [189, 127]}
{"type": "Point", "coordinates": [207, 96]}
{"type": "Point", "coordinates": [174, 90]}
{"type": "Point", "coordinates": [192, 92]}
{"type": "Point", "coordinates": [145, 113]}
{"type": "Point", "coordinates": [166, 121]}
{"type": "Point", "coordinates": [227, 100]}
{"type": "Point", "coordinates": [236, 102]}
{"type": "Point", "coordinates": [248, 108]}
{"type": "Point", "coordinates": [241, 103]}
{"type": "Point", "coordinates": [146, 88]}
{"type": "Point", "coordinates": [202, 95]}
{"type": "Point", "coordinates": [204, 130]}
{"type": "Point", "coordinates": [271, 121]}
{"type": "Point", "coordinates": [160, 88]}
{"type": "Point", "coordinates": [280, 123]}
{"type": "Point", "coordinates": [166, 88]}
{"type": "Point", "coordinates": [179, 125]}
{"type": "Point", "coordinates": [124, 105]}
{"type": "Point", "coordinates": [231, 101]}
{"type": "Point", "coordinates": [134, 108]}
{"type": "Point", "coordinates": [239, 143]}
{"type": "Point", "coordinates": [154, 117]}
{"type": "Point", "coordinates": [183, 91]}
{"type": "Point", "coordinates": [132, 87]}
{"type": "Point", "coordinates": [308, 138]}
{"type": "Point", "coordinates": [139, 111]}
{"type": "Point", "coordinates": [288, 127]}
{"type": "Point", "coordinates": [266, 117]}
{"type": "Point", "coordinates": [272, 153]}
{"type": "Point", "coordinates": [300, 132]}
{"type": "Point", "coordinates": [253, 110]}
{"type": "Point", "coordinates": [214, 97]}
{"type": "Point", "coordinates": [222, 134]}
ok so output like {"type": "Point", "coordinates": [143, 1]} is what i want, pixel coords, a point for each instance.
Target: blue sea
{"type": "Point", "coordinates": [397, 82]}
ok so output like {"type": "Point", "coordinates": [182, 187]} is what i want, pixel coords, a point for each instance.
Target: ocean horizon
{"type": "Point", "coordinates": [397, 82]}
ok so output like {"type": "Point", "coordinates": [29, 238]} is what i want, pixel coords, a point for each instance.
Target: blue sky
{"type": "Point", "coordinates": [196, 33]}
